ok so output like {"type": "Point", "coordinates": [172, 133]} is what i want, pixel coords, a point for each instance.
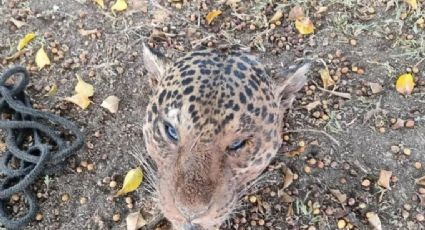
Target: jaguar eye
{"type": "Point", "coordinates": [171, 132]}
{"type": "Point", "coordinates": [236, 145]}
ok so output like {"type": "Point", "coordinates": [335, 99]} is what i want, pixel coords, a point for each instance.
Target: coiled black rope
{"type": "Point", "coordinates": [34, 147]}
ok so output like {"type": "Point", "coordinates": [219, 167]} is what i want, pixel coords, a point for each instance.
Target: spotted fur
{"type": "Point", "coordinates": [212, 98]}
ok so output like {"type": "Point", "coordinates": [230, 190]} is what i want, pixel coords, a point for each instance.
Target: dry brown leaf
{"type": "Point", "coordinates": [420, 181]}
{"type": "Point", "coordinates": [111, 104]}
{"type": "Point", "coordinates": [297, 12]}
{"type": "Point", "coordinates": [135, 221]}
{"type": "Point", "coordinates": [15, 55]}
{"type": "Point", "coordinates": [376, 87]}
{"type": "Point", "coordinates": [286, 198]}
{"type": "Point", "coordinates": [384, 179]}
{"type": "Point", "coordinates": [341, 197]}
{"type": "Point", "coordinates": [312, 105]}
{"type": "Point", "coordinates": [326, 78]}
{"type": "Point", "coordinates": [212, 15]}
{"type": "Point", "coordinates": [277, 16]}
{"type": "Point", "coordinates": [87, 32]}
{"type": "Point", "coordinates": [296, 152]}
{"type": "Point", "coordinates": [374, 220]}
{"type": "Point", "coordinates": [17, 23]}
{"type": "Point", "coordinates": [288, 178]}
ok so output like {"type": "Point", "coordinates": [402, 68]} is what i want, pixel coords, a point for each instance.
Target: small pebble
{"type": "Point", "coordinates": [395, 149]}
{"type": "Point", "coordinates": [312, 161]}
{"type": "Point", "coordinates": [344, 70]}
{"type": "Point", "coordinates": [84, 164]}
{"type": "Point", "coordinates": [252, 199]}
{"type": "Point", "coordinates": [407, 152]}
{"type": "Point", "coordinates": [329, 211]}
{"type": "Point", "coordinates": [418, 165]}
{"type": "Point", "coordinates": [307, 169]}
{"type": "Point", "coordinates": [422, 190]}
{"type": "Point", "coordinates": [79, 169]}
{"type": "Point", "coordinates": [405, 214]}
{"type": "Point", "coordinates": [261, 222]}
{"type": "Point", "coordinates": [116, 217]}
{"type": "Point", "coordinates": [353, 42]}
{"type": "Point", "coordinates": [39, 217]}
{"type": "Point", "coordinates": [311, 228]}
{"type": "Point", "coordinates": [351, 201]}
{"type": "Point", "coordinates": [113, 184]}
{"type": "Point", "coordinates": [420, 217]}
{"type": "Point", "coordinates": [415, 69]}
{"type": "Point", "coordinates": [15, 197]}
{"type": "Point", "coordinates": [128, 200]}
{"type": "Point", "coordinates": [366, 183]}
{"type": "Point", "coordinates": [409, 123]}
{"type": "Point", "coordinates": [83, 200]}
{"type": "Point", "coordinates": [407, 207]}
{"type": "Point", "coordinates": [90, 167]}
{"type": "Point", "coordinates": [65, 197]}
{"type": "Point", "coordinates": [341, 224]}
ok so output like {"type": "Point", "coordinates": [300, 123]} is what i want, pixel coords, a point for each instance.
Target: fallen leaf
{"type": "Point", "coordinates": [312, 105]}
{"type": "Point", "coordinates": [87, 32]}
{"type": "Point", "coordinates": [412, 3]}
{"type": "Point", "coordinates": [53, 90]}
{"type": "Point", "coordinates": [100, 3]}
{"type": "Point", "coordinates": [376, 87]}
{"type": "Point", "coordinates": [132, 181]}
{"type": "Point", "coordinates": [405, 84]}
{"type": "Point", "coordinates": [17, 23]}
{"type": "Point", "coordinates": [289, 178]}
{"type": "Point", "coordinates": [297, 12]}
{"type": "Point", "coordinates": [24, 41]}
{"type": "Point", "coordinates": [286, 198]}
{"type": "Point", "coordinates": [15, 55]}
{"type": "Point", "coordinates": [326, 78]}
{"type": "Point", "coordinates": [84, 88]}
{"type": "Point", "coordinates": [420, 181]}
{"type": "Point", "coordinates": [341, 197]}
{"type": "Point", "coordinates": [277, 16]}
{"type": "Point", "coordinates": [212, 15]}
{"type": "Point", "coordinates": [111, 104]}
{"type": "Point", "coordinates": [304, 26]}
{"type": "Point", "coordinates": [384, 179]}
{"type": "Point", "coordinates": [81, 100]}
{"type": "Point", "coordinates": [120, 5]}
{"type": "Point", "coordinates": [374, 220]}
{"type": "Point", "coordinates": [135, 221]}
{"type": "Point", "coordinates": [41, 59]}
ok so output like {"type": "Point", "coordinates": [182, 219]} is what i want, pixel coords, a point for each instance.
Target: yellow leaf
{"type": "Point", "coordinates": [84, 88]}
{"type": "Point", "coordinates": [41, 59]}
{"type": "Point", "coordinates": [100, 3]}
{"type": "Point", "coordinates": [326, 78]}
{"type": "Point", "coordinates": [384, 179]}
{"type": "Point", "coordinates": [132, 181]}
{"type": "Point", "coordinates": [53, 90]}
{"type": "Point", "coordinates": [81, 100]}
{"type": "Point", "coordinates": [277, 16]}
{"type": "Point", "coordinates": [119, 5]}
{"type": "Point", "coordinates": [24, 41]}
{"type": "Point", "coordinates": [304, 26]}
{"type": "Point", "coordinates": [212, 15]}
{"type": "Point", "coordinates": [405, 84]}
{"type": "Point", "coordinates": [412, 3]}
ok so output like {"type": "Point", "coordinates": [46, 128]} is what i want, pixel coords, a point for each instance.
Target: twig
{"type": "Point", "coordinates": [339, 94]}
{"type": "Point", "coordinates": [314, 131]}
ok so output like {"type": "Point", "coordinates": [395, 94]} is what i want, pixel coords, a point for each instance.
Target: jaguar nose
{"type": "Point", "coordinates": [190, 226]}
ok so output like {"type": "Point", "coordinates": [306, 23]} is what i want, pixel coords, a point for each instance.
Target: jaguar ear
{"type": "Point", "coordinates": [155, 63]}
{"type": "Point", "coordinates": [288, 84]}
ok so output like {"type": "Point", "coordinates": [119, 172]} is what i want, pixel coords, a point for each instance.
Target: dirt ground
{"type": "Point", "coordinates": [335, 146]}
